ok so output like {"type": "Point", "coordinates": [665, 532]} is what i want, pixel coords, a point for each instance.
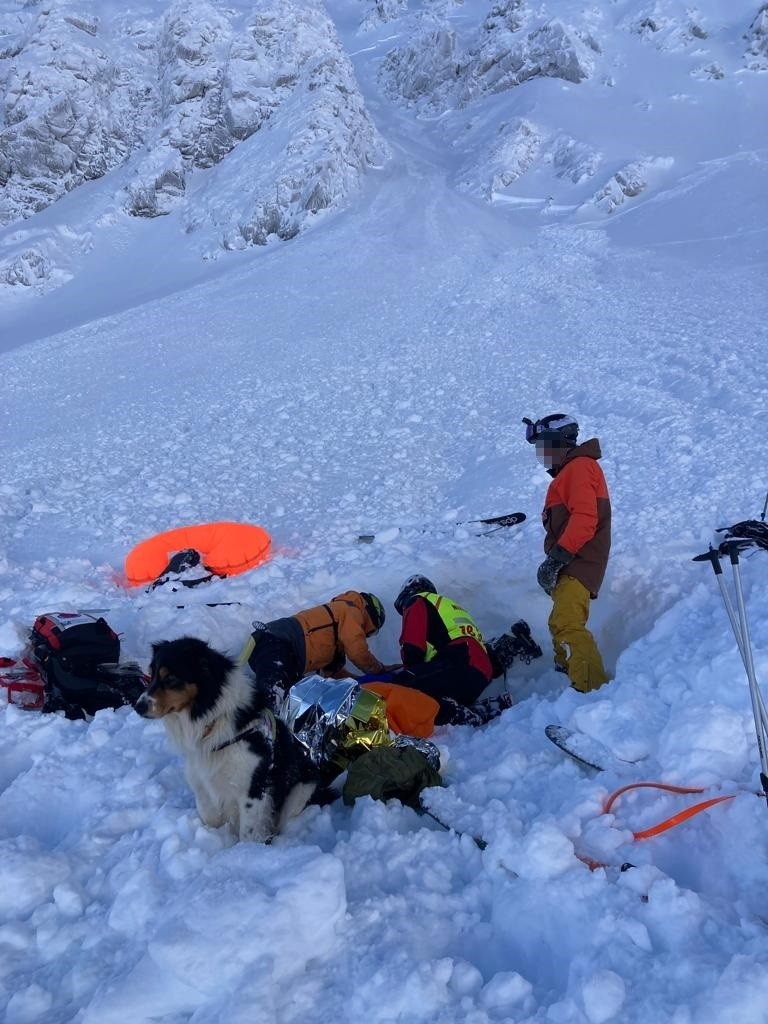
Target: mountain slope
{"type": "Point", "coordinates": [370, 375]}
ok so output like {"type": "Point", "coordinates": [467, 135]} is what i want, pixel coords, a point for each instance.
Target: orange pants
{"type": "Point", "coordinates": [575, 647]}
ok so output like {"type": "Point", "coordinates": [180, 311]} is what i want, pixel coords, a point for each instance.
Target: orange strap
{"type": "Point", "coordinates": [675, 819]}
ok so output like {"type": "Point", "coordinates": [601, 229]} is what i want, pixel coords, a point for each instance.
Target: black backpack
{"type": "Point", "coordinates": [78, 655]}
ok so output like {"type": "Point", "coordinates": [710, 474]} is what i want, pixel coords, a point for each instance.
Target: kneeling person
{"type": "Point", "coordinates": [444, 654]}
{"type": "Point", "coordinates": [318, 639]}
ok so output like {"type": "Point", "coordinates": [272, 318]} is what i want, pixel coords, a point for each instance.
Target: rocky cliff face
{"type": "Point", "coordinates": [263, 100]}
{"type": "Point", "coordinates": [76, 102]}
{"type": "Point", "coordinates": [244, 122]}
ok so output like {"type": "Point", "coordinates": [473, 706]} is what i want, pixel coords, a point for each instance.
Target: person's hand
{"type": "Point", "coordinates": [550, 569]}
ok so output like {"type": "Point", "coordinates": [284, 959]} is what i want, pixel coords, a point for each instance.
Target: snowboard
{"type": "Point", "coordinates": [585, 750]}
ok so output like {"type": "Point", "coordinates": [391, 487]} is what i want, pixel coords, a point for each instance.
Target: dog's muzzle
{"type": "Point", "coordinates": [145, 705]}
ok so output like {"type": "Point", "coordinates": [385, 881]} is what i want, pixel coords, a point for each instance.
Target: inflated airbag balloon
{"type": "Point", "coordinates": [226, 549]}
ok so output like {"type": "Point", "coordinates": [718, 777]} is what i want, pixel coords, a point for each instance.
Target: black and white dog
{"type": "Point", "coordinates": [245, 767]}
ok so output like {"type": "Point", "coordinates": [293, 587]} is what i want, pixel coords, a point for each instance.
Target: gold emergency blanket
{"type": "Point", "coordinates": [336, 720]}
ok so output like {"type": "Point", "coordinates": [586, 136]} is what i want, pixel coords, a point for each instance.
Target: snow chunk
{"type": "Point", "coordinates": [603, 994]}
{"type": "Point", "coordinates": [542, 854]}
{"type": "Point", "coordinates": [28, 1005]}
{"type": "Point", "coordinates": [507, 989]}
{"type": "Point", "coordinates": [705, 743]}
{"type": "Point", "coordinates": [279, 909]}
{"type": "Point", "coordinates": [29, 877]}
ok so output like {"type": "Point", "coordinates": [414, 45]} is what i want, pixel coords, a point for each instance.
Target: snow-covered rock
{"type": "Point", "coordinates": [381, 12]}
{"type": "Point", "coordinates": [756, 55]}
{"type": "Point", "coordinates": [669, 25]}
{"type": "Point", "coordinates": [551, 50]}
{"type": "Point", "coordinates": [434, 70]}
{"type": "Point", "coordinates": [496, 167]}
{"type": "Point", "coordinates": [285, 77]}
{"type": "Point", "coordinates": [425, 69]}
{"type": "Point", "coordinates": [29, 268]}
{"type": "Point", "coordinates": [73, 106]}
{"type": "Point", "coordinates": [572, 159]}
{"type": "Point", "coordinates": [629, 182]}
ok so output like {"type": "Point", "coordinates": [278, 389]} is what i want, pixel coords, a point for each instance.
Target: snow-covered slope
{"type": "Point", "coordinates": [371, 375]}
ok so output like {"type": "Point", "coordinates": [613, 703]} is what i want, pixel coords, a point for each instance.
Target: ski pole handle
{"type": "Point", "coordinates": [731, 548]}
{"type": "Point", "coordinates": [713, 557]}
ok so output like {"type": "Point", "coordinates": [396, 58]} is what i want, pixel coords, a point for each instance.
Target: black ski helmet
{"type": "Point", "coordinates": [556, 427]}
{"type": "Point", "coordinates": [413, 585]}
{"type": "Point", "coordinates": [375, 610]}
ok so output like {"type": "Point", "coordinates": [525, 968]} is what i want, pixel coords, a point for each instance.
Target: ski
{"type": "Point", "coordinates": [585, 750]}
{"type": "Point", "coordinates": [497, 522]}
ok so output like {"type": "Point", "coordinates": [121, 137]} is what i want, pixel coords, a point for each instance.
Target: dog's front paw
{"type": "Point", "coordinates": [255, 835]}
{"type": "Point", "coordinates": [211, 817]}
{"type": "Point", "coordinates": [257, 821]}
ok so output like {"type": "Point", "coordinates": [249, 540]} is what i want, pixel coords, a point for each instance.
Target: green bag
{"type": "Point", "coordinates": [390, 772]}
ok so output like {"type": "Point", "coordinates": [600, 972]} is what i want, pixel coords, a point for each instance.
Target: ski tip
{"type": "Point", "coordinates": [557, 733]}
{"type": "Point", "coordinates": [584, 751]}
{"type": "Point", "coordinates": [511, 520]}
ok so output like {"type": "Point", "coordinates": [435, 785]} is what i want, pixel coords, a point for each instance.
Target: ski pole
{"type": "Point", "coordinates": [760, 729]}
{"type": "Point", "coordinates": [479, 842]}
{"type": "Point", "coordinates": [713, 557]}
{"type": "Point", "coordinates": [141, 607]}
{"type": "Point", "coordinates": [765, 508]}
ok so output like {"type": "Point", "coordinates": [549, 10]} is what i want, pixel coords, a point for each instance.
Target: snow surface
{"type": "Point", "coordinates": [370, 376]}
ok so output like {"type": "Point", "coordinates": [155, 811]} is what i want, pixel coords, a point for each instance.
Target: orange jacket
{"type": "Point", "coordinates": [577, 515]}
{"type": "Point", "coordinates": [335, 632]}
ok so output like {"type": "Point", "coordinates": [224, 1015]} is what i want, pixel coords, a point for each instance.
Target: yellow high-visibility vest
{"type": "Point", "coordinates": [457, 621]}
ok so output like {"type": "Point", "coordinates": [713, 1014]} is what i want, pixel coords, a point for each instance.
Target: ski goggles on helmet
{"type": "Point", "coordinates": [557, 427]}
{"type": "Point", "coordinates": [531, 429]}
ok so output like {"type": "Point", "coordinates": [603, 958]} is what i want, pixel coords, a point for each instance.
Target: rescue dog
{"type": "Point", "coordinates": [245, 767]}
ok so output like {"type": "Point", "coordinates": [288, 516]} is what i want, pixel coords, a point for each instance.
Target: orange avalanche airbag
{"type": "Point", "coordinates": [226, 549]}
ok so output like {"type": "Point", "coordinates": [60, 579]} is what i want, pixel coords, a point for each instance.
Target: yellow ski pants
{"type": "Point", "coordinates": [575, 647]}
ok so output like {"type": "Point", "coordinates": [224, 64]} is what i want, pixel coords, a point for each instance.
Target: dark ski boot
{"type": "Point", "coordinates": [517, 643]}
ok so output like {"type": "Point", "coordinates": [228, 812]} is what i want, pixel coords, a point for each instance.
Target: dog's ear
{"type": "Point", "coordinates": [205, 666]}
{"type": "Point", "coordinates": [156, 648]}
{"type": "Point", "coordinates": [213, 665]}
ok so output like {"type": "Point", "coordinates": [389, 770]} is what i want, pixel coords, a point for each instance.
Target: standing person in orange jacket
{"type": "Point", "coordinates": [577, 520]}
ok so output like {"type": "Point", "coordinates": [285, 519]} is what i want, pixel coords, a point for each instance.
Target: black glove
{"type": "Point", "coordinates": [551, 567]}
{"type": "Point", "coordinates": [750, 532]}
